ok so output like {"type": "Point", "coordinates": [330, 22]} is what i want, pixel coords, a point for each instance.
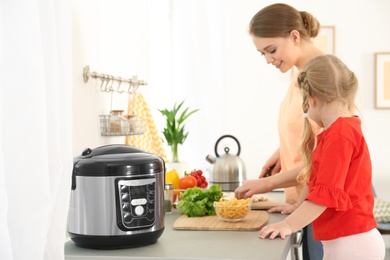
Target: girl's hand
{"type": "Point", "coordinates": [252, 187]}
{"type": "Point", "coordinates": [272, 231]}
{"type": "Point", "coordinates": [303, 215]}
{"type": "Point", "coordinates": [284, 209]}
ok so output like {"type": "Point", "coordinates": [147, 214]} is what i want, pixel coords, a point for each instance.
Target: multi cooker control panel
{"type": "Point", "coordinates": [137, 202]}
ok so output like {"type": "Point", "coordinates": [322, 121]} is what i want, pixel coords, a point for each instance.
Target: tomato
{"type": "Point", "coordinates": [200, 179]}
{"type": "Point", "coordinates": [187, 181]}
{"type": "Point", "coordinates": [204, 184]}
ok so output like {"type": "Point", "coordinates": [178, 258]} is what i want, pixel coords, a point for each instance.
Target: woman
{"type": "Point", "coordinates": [337, 167]}
{"type": "Point", "coordinates": [282, 35]}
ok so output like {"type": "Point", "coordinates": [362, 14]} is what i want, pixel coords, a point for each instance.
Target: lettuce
{"type": "Point", "coordinates": [196, 202]}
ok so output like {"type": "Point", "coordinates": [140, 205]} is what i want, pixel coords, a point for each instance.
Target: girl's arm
{"type": "Point", "coordinates": [301, 217]}
{"type": "Point", "coordinates": [264, 185]}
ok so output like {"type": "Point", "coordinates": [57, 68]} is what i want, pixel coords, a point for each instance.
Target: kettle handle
{"type": "Point", "coordinates": [226, 136]}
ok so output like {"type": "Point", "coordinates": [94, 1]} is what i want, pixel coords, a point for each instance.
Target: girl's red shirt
{"type": "Point", "coordinates": [341, 181]}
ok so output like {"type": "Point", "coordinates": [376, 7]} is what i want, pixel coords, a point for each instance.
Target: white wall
{"type": "Point", "coordinates": [112, 37]}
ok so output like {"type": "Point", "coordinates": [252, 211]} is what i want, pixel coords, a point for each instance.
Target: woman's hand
{"type": "Point", "coordinates": [272, 231]}
{"type": "Point", "coordinates": [272, 165]}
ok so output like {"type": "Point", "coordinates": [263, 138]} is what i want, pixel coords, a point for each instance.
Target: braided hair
{"type": "Point", "coordinates": [328, 79]}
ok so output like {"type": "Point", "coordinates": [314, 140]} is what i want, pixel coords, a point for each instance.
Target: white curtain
{"type": "Point", "coordinates": [186, 61]}
{"type": "Point", "coordinates": [35, 127]}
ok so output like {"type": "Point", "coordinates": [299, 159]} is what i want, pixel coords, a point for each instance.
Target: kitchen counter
{"type": "Point", "coordinates": [182, 244]}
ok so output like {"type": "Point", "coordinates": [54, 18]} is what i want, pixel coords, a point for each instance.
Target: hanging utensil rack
{"type": "Point", "coordinates": [114, 125]}
{"type": "Point", "coordinates": [107, 84]}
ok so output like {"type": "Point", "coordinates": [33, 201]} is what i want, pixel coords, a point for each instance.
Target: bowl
{"type": "Point", "coordinates": [233, 210]}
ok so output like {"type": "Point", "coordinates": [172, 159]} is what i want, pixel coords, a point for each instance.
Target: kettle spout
{"type": "Point", "coordinates": [210, 159]}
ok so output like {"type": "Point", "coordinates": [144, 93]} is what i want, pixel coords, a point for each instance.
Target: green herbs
{"type": "Point", "coordinates": [196, 202]}
{"type": "Point", "coordinates": [174, 131]}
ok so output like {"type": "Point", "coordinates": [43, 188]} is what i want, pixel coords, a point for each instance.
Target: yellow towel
{"type": "Point", "coordinates": [150, 141]}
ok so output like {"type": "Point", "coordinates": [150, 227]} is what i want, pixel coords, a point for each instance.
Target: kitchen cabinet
{"type": "Point", "coordinates": [182, 244]}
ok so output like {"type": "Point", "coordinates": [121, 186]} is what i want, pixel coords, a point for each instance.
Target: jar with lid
{"type": "Point", "coordinates": [130, 127]}
{"type": "Point", "coordinates": [116, 121]}
{"type": "Point", "coordinates": [168, 197]}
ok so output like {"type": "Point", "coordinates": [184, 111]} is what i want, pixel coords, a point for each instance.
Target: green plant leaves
{"type": "Point", "coordinates": [174, 131]}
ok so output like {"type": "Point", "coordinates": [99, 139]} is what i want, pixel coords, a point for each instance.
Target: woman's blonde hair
{"type": "Point", "coordinates": [328, 79]}
{"type": "Point", "coordinates": [278, 20]}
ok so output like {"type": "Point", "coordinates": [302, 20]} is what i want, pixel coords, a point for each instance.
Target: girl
{"type": "Point", "coordinates": [337, 167]}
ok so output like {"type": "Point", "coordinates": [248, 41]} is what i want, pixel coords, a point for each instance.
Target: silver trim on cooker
{"type": "Point", "coordinates": [92, 209]}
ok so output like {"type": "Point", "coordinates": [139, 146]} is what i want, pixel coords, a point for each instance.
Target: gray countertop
{"type": "Point", "coordinates": [181, 244]}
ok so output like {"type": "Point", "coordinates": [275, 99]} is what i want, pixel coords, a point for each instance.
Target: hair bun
{"type": "Point", "coordinates": [312, 25]}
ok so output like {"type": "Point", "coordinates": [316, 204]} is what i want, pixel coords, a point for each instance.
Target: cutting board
{"type": "Point", "coordinates": [269, 203]}
{"type": "Point", "coordinates": [255, 220]}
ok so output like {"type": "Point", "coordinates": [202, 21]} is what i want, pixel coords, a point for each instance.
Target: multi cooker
{"type": "Point", "coordinates": [116, 198]}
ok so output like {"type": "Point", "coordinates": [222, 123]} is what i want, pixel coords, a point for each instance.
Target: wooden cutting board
{"type": "Point", "coordinates": [255, 220]}
{"type": "Point", "coordinates": [269, 203]}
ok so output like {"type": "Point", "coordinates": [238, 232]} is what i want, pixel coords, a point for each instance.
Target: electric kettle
{"type": "Point", "coordinates": [227, 170]}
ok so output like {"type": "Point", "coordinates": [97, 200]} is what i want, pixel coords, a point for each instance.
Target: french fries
{"type": "Point", "coordinates": [233, 208]}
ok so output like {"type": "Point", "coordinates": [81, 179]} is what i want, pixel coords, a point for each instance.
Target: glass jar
{"type": "Point", "coordinates": [130, 123]}
{"type": "Point", "coordinates": [168, 197]}
{"type": "Point", "coordinates": [116, 121]}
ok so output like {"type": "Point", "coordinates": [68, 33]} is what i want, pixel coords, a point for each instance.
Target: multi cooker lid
{"type": "Point", "coordinates": [116, 160]}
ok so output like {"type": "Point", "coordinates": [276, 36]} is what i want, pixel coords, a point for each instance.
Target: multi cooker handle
{"type": "Point", "coordinates": [110, 149]}
{"type": "Point", "coordinates": [88, 153]}
{"type": "Point", "coordinates": [227, 150]}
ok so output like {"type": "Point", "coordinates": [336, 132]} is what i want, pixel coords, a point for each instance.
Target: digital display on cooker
{"type": "Point", "coordinates": [137, 192]}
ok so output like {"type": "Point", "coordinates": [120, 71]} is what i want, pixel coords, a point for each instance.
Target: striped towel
{"type": "Point", "coordinates": [382, 210]}
{"type": "Point", "coordinates": [150, 141]}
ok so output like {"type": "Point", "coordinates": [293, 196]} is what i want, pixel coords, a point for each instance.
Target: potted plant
{"type": "Point", "coordinates": [175, 132]}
